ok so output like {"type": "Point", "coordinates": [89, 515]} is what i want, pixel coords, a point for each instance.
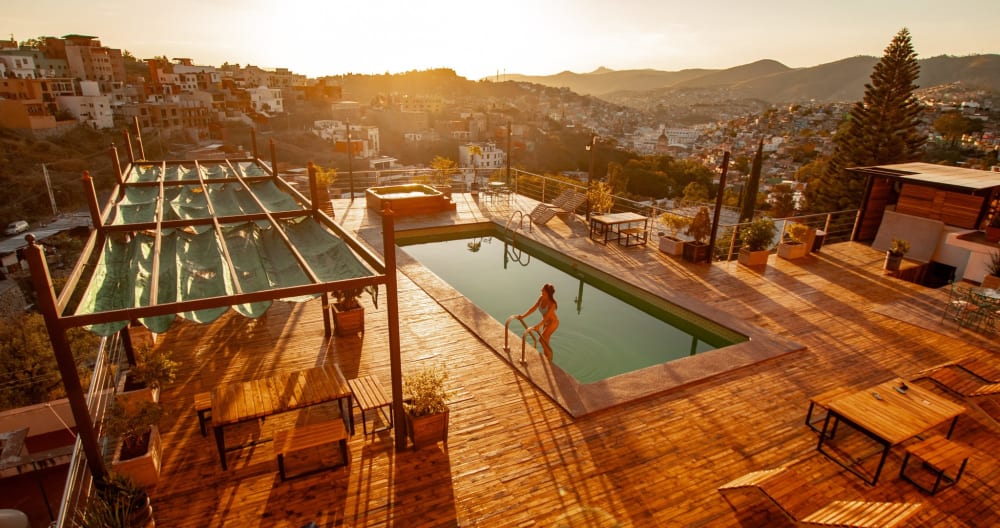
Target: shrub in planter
{"type": "Point", "coordinates": [700, 229]}
{"type": "Point", "coordinates": [426, 407]}
{"type": "Point", "coordinates": [797, 242]}
{"type": "Point", "coordinates": [672, 244]}
{"type": "Point", "coordinates": [117, 502]}
{"type": "Point", "coordinates": [348, 314]}
{"type": "Point", "coordinates": [153, 369]}
{"type": "Point", "coordinates": [134, 424]}
{"type": "Point", "coordinates": [756, 239]}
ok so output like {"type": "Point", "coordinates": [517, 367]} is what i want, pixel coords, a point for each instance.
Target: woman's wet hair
{"type": "Point", "coordinates": [551, 290]}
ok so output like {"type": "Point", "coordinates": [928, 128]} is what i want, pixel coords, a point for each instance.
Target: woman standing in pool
{"type": "Point", "coordinates": [546, 304]}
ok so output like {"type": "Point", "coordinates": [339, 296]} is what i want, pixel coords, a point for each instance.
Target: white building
{"type": "Point", "coordinates": [91, 108]}
{"type": "Point", "coordinates": [18, 66]}
{"type": "Point", "coordinates": [266, 100]}
{"type": "Point", "coordinates": [491, 157]}
{"type": "Point", "coordinates": [336, 131]}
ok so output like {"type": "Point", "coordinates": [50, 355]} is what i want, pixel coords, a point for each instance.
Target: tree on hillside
{"type": "Point", "coordinates": [953, 125]}
{"type": "Point", "coordinates": [753, 185]}
{"type": "Point", "coordinates": [882, 129]}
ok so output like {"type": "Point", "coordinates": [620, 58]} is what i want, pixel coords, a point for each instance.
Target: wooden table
{"type": "Point", "coordinates": [249, 400]}
{"type": "Point", "coordinates": [888, 416]}
{"type": "Point", "coordinates": [623, 227]}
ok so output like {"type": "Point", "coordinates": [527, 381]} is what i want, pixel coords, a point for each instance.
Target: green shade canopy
{"type": "Point", "coordinates": [207, 231]}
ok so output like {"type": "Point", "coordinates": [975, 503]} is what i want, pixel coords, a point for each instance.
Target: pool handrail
{"type": "Point", "coordinates": [535, 336]}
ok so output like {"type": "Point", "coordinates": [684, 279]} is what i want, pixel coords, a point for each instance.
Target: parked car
{"type": "Point", "coordinates": [14, 228]}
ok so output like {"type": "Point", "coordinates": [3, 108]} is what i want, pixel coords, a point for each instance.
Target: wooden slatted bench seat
{"type": "Point", "coordinates": [634, 236]}
{"type": "Point", "coordinates": [822, 400]}
{"type": "Point", "coordinates": [304, 437]}
{"type": "Point", "coordinates": [370, 396]}
{"type": "Point", "coordinates": [791, 493]}
{"type": "Point", "coordinates": [941, 457]}
{"type": "Point", "coordinates": [203, 406]}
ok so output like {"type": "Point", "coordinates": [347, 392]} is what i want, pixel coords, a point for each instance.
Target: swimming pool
{"type": "Point", "coordinates": [606, 326]}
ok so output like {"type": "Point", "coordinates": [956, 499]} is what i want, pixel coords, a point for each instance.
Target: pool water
{"type": "Point", "coordinates": [604, 331]}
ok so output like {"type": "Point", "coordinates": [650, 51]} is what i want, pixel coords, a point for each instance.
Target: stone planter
{"type": "Point", "coordinates": [144, 470]}
{"type": "Point", "coordinates": [133, 391]}
{"type": "Point", "coordinates": [427, 430]}
{"type": "Point", "coordinates": [671, 246]}
{"type": "Point", "coordinates": [753, 258]}
{"type": "Point", "coordinates": [792, 250]}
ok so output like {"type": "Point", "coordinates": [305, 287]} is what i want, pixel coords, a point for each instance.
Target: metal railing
{"type": "Point", "coordinates": [79, 480]}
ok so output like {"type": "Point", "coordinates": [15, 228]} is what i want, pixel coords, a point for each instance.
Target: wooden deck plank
{"type": "Point", "coordinates": [515, 458]}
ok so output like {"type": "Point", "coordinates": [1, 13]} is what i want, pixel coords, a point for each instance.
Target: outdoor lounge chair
{"type": "Point", "coordinates": [789, 492]}
{"type": "Point", "coordinates": [962, 381]}
{"type": "Point", "coordinates": [563, 205]}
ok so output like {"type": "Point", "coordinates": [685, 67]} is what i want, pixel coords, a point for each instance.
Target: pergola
{"type": "Point", "coordinates": [194, 239]}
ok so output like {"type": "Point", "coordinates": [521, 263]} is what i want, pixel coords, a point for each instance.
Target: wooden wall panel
{"type": "Point", "coordinates": [960, 210]}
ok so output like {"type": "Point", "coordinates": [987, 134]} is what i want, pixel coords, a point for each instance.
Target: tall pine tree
{"type": "Point", "coordinates": [882, 129]}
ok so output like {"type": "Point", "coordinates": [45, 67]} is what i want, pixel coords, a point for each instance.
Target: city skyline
{"type": "Point", "coordinates": [542, 38]}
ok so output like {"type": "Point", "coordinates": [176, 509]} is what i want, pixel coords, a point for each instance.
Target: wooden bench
{"type": "Point", "coordinates": [940, 456]}
{"type": "Point", "coordinates": [370, 396]}
{"type": "Point", "coordinates": [793, 496]}
{"type": "Point", "coordinates": [310, 436]}
{"type": "Point", "coordinates": [633, 236]}
{"type": "Point", "coordinates": [823, 401]}
{"type": "Point", "coordinates": [203, 406]}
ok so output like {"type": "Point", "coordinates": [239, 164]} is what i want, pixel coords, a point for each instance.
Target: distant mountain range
{"type": "Point", "coordinates": [771, 81]}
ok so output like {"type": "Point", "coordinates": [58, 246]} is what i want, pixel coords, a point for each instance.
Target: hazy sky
{"type": "Point", "coordinates": [536, 37]}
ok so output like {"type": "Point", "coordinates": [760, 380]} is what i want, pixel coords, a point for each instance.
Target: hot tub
{"type": "Point", "coordinates": [410, 199]}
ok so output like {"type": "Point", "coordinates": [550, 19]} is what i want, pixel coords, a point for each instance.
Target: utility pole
{"type": "Point", "coordinates": [48, 185]}
{"type": "Point", "coordinates": [350, 159]}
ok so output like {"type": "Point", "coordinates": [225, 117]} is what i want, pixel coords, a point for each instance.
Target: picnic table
{"type": "Point", "coordinates": [627, 228]}
{"type": "Point", "coordinates": [286, 391]}
{"type": "Point", "coordinates": [888, 414]}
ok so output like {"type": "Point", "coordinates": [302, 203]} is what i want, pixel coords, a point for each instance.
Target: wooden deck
{"type": "Point", "coordinates": [517, 458]}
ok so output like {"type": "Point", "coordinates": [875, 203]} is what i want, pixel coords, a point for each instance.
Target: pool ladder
{"type": "Point", "coordinates": [511, 251]}
{"type": "Point", "coordinates": [533, 334]}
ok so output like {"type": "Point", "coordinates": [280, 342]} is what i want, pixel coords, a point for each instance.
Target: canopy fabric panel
{"type": "Point", "coordinates": [198, 257]}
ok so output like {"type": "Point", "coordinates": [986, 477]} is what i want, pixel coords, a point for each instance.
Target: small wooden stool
{"type": "Point", "coordinates": [822, 401]}
{"type": "Point", "coordinates": [940, 456]}
{"type": "Point", "coordinates": [307, 437]}
{"type": "Point", "coordinates": [203, 406]}
{"type": "Point", "coordinates": [370, 396]}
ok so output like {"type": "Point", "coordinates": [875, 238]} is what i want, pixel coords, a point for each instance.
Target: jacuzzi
{"type": "Point", "coordinates": [409, 199]}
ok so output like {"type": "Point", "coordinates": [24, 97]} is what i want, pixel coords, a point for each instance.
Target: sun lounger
{"type": "Point", "coordinates": [563, 205]}
{"type": "Point", "coordinates": [790, 493]}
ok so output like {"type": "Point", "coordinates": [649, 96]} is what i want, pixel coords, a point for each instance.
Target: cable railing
{"type": "Point", "coordinates": [79, 480]}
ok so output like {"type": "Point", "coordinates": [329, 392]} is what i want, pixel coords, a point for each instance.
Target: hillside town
{"type": "Point", "coordinates": [53, 84]}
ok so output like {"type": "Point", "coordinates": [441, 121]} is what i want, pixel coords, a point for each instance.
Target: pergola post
{"type": "Point", "coordinates": [47, 305]}
{"type": "Point", "coordinates": [128, 143]}
{"type": "Point", "coordinates": [392, 312]}
{"type": "Point", "coordinates": [138, 138]}
{"type": "Point", "coordinates": [119, 177]}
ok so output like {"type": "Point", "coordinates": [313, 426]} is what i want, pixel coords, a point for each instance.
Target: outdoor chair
{"type": "Point", "coordinates": [962, 307]}
{"type": "Point", "coordinates": [982, 368]}
{"type": "Point", "coordinates": [791, 494]}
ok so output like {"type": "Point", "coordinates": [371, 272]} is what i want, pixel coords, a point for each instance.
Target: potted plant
{"type": "Point", "coordinates": [756, 239]}
{"type": "Point", "coordinates": [699, 229]}
{"type": "Point", "coordinates": [671, 244]}
{"type": "Point", "coordinates": [600, 198]}
{"type": "Point", "coordinates": [993, 228]}
{"type": "Point", "coordinates": [894, 255]}
{"type": "Point", "coordinates": [134, 424]}
{"type": "Point", "coordinates": [426, 407]}
{"type": "Point", "coordinates": [348, 314]}
{"type": "Point", "coordinates": [797, 241]}
{"type": "Point", "coordinates": [153, 369]}
{"type": "Point", "coordinates": [117, 502]}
